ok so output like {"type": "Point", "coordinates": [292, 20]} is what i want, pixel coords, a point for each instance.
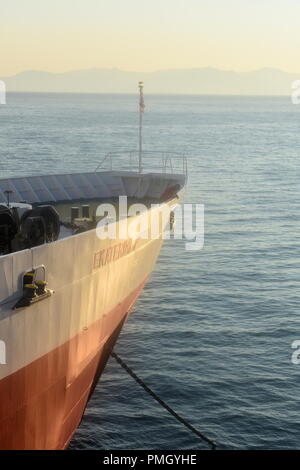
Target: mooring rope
{"type": "Point", "coordinates": [161, 402]}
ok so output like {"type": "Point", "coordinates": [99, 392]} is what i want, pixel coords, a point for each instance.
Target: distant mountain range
{"type": "Point", "coordinates": [191, 81]}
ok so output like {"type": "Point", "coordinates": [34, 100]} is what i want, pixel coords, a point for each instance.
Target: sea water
{"type": "Point", "coordinates": [212, 330]}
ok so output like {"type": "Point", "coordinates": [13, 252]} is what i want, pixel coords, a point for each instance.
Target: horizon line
{"type": "Point", "coordinates": [148, 94]}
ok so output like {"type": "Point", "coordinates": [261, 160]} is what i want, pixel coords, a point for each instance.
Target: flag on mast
{"type": "Point", "coordinates": [142, 103]}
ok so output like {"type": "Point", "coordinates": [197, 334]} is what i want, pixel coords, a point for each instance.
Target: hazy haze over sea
{"type": "Point", "coordinates": [205, 80]}
{"type": "Point", "coordinates": [212, 331]}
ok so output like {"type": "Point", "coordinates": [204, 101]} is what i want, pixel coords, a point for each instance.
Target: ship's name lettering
{"type": "Point", "coordinates": [113, 253]}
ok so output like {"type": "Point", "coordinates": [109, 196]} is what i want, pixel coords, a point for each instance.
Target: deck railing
{"type": "Point", "coordinates": [152, 161]}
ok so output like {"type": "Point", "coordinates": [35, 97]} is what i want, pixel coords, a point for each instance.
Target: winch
{"type": "Point", "coordinates": [22, 226]}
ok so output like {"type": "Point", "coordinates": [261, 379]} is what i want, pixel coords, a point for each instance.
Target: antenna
{"type": "Point", "coordinates": [142, 108]}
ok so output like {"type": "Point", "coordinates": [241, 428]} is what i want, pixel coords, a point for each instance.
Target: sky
{"type": "Point", "coordinates": [148, 35]}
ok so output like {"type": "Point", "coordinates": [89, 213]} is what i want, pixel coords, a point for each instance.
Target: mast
{"type": "Point", "coordinates": [142, 108]}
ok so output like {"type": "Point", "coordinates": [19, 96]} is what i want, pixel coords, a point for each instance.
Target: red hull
{"type": "Point", "coordinates": [42, 404]}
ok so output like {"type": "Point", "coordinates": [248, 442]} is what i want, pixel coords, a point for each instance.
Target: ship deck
{"type": "Point", "coordinates": [86, 210]}
{"type": "Point", "coordinates": [94, 186]}
{"type": "Point", "coordinates": [76, 198]}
